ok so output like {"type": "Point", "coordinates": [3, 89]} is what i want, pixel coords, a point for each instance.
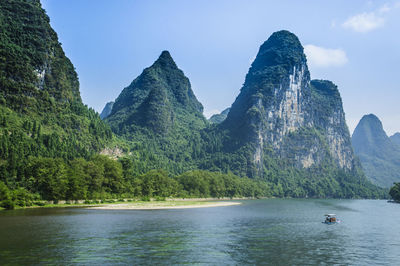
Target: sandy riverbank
{"type": "Point", "coordinates": [164, 205]}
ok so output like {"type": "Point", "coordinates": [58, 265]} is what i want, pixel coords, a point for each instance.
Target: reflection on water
{"type": "Point", "coordinates": [273, 231]}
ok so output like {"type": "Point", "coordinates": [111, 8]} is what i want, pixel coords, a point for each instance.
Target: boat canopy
{"type": "Point", "coordinates": [331, 214]}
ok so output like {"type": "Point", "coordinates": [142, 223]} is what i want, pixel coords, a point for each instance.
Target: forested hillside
{"type": "Point", "coordinates": [41, 111]}
{"type": "Point", "coordinates": [284, 136]}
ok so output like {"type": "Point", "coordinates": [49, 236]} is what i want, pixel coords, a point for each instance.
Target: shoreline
{"type": "Point", "coordinates": [164, 205]}
{"type": "Point", "coordinates": [171, 203]}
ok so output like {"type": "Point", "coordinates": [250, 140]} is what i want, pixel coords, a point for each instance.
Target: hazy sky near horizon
{"type": "Point", "coordinates": [355, 44]}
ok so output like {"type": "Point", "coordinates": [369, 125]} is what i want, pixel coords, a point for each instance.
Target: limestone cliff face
{"type": "Point", "coordinates": [328, 116]}
{"type": "Point", "coordinates": [280, 108]}
{"type": "Point", "coordinates": [286, 112]}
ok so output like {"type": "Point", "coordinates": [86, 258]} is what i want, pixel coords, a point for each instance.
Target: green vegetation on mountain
{"type": "Point", "coordinates": [160, 118]}
{"type": "Point", "coordinates": [291, 131]}
{"type": "Point", "coordinates": [379, 154]}
{"type": "Point", "coordinates": [159, 100]}
{"type": "Point", "coordinates": [41, 108]}
{"type": "Point", "coordinates": [50, 141]}
{"type": "Point", "coordinates": [306, 162]}
{"type": "Point", "coordinates": [41, 112]}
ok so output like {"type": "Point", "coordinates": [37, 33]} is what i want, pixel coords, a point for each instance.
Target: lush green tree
{"type": "Point", "coordinates": [200, 183]}
{"type": "Point", "coordinates": [5, 197]}
{"type": "Point", "coordinates": [395, 192]}
{"type": "Point", "coordinates": [49, 177]}
{"type": "Point", "coordinates": [157, 183]}
{"type": "Point", "coordinates": [95, 173]}
{"type": "Point", "coordinates": [78, 180]}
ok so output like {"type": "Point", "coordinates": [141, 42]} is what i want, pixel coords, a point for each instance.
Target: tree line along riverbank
{"type": "Point", "coordinates": [94, 181]}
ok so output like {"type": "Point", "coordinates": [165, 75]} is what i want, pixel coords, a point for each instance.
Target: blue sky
{"type": "Point", "coordinates": [356, 44]}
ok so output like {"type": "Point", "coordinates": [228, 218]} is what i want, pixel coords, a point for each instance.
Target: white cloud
{"type": "Point", "coordinates": [384, 9]}
{"type": "Point", "coordinates": [325, 57]}
{"type": "Point", "coordinates": [364, 22]}
{"type": "Point", "coordinates": [369, 21]}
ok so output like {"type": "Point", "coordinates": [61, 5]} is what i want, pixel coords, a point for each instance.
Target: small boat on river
{"type": "Point", "coordinates": [331, 219]}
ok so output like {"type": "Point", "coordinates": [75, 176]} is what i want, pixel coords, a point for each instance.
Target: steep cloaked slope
{"type": "Point", "coordinates": [41, 111]}
{"type": "Point", "coordinates": [379, 155]}
{"type": "Point", "coordinates": [34, 64]}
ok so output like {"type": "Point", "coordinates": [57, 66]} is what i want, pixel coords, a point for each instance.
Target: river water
{"type": "Point", "coordinates": [258, 232]}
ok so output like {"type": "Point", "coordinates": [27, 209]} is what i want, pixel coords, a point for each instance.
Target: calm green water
{"type": "Point", "coordinates": [273, 231]}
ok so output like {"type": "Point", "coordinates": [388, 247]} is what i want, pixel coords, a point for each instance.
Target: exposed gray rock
{"type": "Point", "coordinates": [280, 108]}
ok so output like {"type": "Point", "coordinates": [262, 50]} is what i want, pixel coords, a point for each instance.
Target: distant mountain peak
{"type": "Point", "coordinates": [166, 55]}
{"type": "Point", "coordinates": [282, 48]}
{"type": "Point", "coordinates": [281, 40]}
{"type": "Point", "coordinates": [157, 99]}
{"type": "Point", "coordinates": [166, 60]}
{"type": "Point", "coordinates": [371, 118]}
{"type": "Point", "coordinates": [379, 154]}
{"type": "Point", "coordinates": [371, 127]}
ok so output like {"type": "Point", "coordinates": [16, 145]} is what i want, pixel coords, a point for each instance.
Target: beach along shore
{"type": "Point", "coordinates": [164, 205]}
